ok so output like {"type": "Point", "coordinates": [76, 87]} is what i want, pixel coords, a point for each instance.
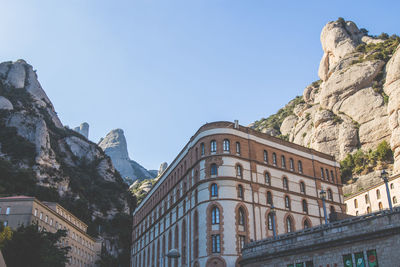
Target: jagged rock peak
{"type": "Point", "coordinates": [83, 129]}
{"type": "Point", "coordinates": [162, 168]}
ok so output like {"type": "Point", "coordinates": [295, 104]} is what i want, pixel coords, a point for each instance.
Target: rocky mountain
{"type": "Point", "coordinates": [355, 104]}
{"type": "Point", "coordinates": [42, 158]}
{"type": "Point", "coordinates": [115, 146]}
{"type": "Point", "coordinates": [83, 129]}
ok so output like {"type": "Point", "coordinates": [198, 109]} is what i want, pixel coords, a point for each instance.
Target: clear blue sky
{"type": "Point", "coordinates": [161, 69]}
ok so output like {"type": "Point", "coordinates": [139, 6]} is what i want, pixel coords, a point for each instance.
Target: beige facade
{"type": "Point", "coordinates": [22, 210]}
{"type": "Point", "coordinates": [218, 192]}
{"type": "Point", "coordinates": [369, 240]}
{"type": "Point", "coordinates": [374, 198]}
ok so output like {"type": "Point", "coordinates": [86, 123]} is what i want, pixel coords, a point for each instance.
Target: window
{"type": "Point", "coordinates": [265, 156]}
{"type": "Point", "coordinates": [330, 196]}
{"type": "Point", "coordinates": [391, 186]}
{"type": "Point", "coordinates": [8, 211]}
{"type": "Point", "coordinates": [226, 145]}
{"type": "Point", "coordinates": [215, 240]}
{"type": "Point", "coordinates": [214, 169]}
{"type": "Point", "coordinates": [46, 219]}
{"type": "Point", "coordinates": [289, 225]}
{"type": "Point", "coordinates": [214, 190]}
{"type": "Point", "coordinates": [378, 194]}
{"type": "Point", "coordinates": [267, 178]}
{"type": "Point", "coordinates": [291, 164]}
{"type": "Point", "coordinates": [202, 149]}
{"type": "Point", "coordinates": [300, 166]}
{"type": "Point", "coordinates": [380, 206]}
{"type": "Point", "coordinates": [5, 223]}
{"type": "Point", "coordinates": [283, 161]}
{"type": "Point", "coordinates": [270, 221]}
{"type": "Point", "coordinates": [327, 174]}
{"type": "Point", "coordinates": [215, 215]}
{"type": "Point", "coordinates": [237, 148]}
{"type": "Point", "coordinates": [242, 241]}
{"type": "Point", "coordinates": [366, 199]}
{"type": "Point", "coordinates": [51, 221]}
{"type": "Point", "coordinates": [305, 207]}
{"type": "Point", "coordinates": [322, 174]}
{"type": "Point", "coordinates": [285, 183]}
{"type": "Point", "coordinates": [394, 200]}
{"type": "Point", "coordinates": [240, 191]}
{"type": "Point", "coordinates": [239, 172]}
{"type": "Point", "coordinates": [368, 210]}
{"type": "Point", "coordinates": [287, 202]}
{"type": "Point", "coordinates": [213, 146]}
{"type": "Point", "coordinates": [332, 177]}
{"type": "Point", "coordinates": [41, 216]}
{"type": "Point", "coordinates": [306, 224]}
{"type": "Point", "coordinates": [302, 188]}
{"type": "Point", "coordinates": [355, 203]}
{"type": "Point", "coordinates": [269, 198]}
{"type": "Point", "coordinates": [241, 216]}
{"type": "Point", "coordinates": [274, 158]}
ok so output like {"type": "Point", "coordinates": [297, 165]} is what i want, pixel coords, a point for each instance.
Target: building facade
{"type": "Point", "coordinates": [374, 198]}
{"type": "Point", "coordinates": [370, 240]}
{"type": "Point", "coordinates": [22, 210]}
{"type": "Point", "coordinates": [217, 195]}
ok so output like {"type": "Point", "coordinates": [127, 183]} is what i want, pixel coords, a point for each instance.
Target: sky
{"type": "Point", "coordinates": [161, 69]}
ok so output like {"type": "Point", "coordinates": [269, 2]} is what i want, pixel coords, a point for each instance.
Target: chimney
{"type": "Point", "coordinates": [236, 126]}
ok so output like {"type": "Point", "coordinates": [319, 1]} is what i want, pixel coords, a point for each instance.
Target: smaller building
{"type": "Point", "coordinates": [372, 238]}
{"type": "Point", "coordinates": [23, 210]}
{"type": "Point", "coordinates": [374, 198]}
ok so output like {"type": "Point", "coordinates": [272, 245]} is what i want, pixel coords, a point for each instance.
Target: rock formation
{"type": "Point", "coordinates": [356, 103]}
{"type": "Point", "coordinates": [83, 129]}
{"type": "Point", "coordinates": [115, 146]}
{"type": "Point", "coordinates": [162, 168]}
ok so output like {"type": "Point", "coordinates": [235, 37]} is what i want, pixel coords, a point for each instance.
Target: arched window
{"type": "Point", "coordinates": [394, 200]}
{"type": "Point", "coordinates": [241, 217]}
{"type": "Point", "coordinates": [239, 172]}
{"type": "Point", "coordinates": [327, 174]}
{"type": "Point", "coordinates": [391, 186]}
{"type": "Point", "coordinates": [265, 156]}
{"type": "Point", "coordinates": [267, 178]}
{"type": "Point", "coordinates": [332, 209]}
{"type": "Point", "coordinates": [322, 174]}
{"type": "Point", "coordinates": [289, 225]}
{"type": "Point", "coordinates": [287, 202]}
{"type": "Point", "coordinates": [302, 188]}
{"type": "Point", "coordinates": [306, 224]}
{"type": "Point", "coordinates": [270, 221]}
{"type": "Point", "coordinates": [378, 194]}
{"type": "Point", "coordinates": [330, 196]}
{"type": "Point", "coordinates": [195, 234]}
{"type": "Point", "coordinates": [380, 206]}
{"type": "Point", "coordinates": [305, 207]}
{"type": "Point", "coordinates": [355, 203]}
{"type": "Point", "coordinates": [227, 145]}
{"type": "Point", "coordinates": [237, 148]}
{"type": "Point", "coordinates": [300, 166]}
{"type": "Point", "coordinates": [183, 236]}
{"type": "Point", "coordinates": [240, 191]}
{"type": "Point", "coordinates": [215, 215]}
{"type": "Point", "coordinates": [366, 198]}
{"type": "Point", "coordinates": [202, 149]}
{"type": "Point", "coordinates": [214, 169]}
{"type": "Point", "coordinates": [357, 213]}
{"type": "Point", "coordinates": [332, 177]}
{"type": "Point", "coordinates": [291, 164]}
{"type": "Point", "coordinates": [368, 210]}
{"type": "Point", "coordinates": [214, 190]}
{"type": "Point", "coordinates": [274, 158]}
{"type": "Point", "coordinates": [285, 183]}
{"type": "Point", "coordinates": [269, 198]}
{"type": "Point", "coordinates": [283, 161]}
{"type": "Point", "coordinates": [213, 146]}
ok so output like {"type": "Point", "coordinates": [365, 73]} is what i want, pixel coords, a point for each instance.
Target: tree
{"type": "Point", "coordinates": [30, 247]}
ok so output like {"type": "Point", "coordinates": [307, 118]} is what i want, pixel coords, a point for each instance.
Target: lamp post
{"type": "Point", "coordinates": [322, 194]}
{"type": "Point", "coordinates": [385, 179]}
{"type": "Point", "coordinates": [273, 213]}
{"type": "Point", "coordinates": [172, 254]}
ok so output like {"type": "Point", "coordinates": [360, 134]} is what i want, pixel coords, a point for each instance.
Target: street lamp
{"type": "Point", "coordinates": [273, 213]}
{"type": "Point", "coordinates": [385, 179]}
{"type": "Point", "coordinates": [172, 254]}
{"type": "Point", "coordinates": [322, 194]}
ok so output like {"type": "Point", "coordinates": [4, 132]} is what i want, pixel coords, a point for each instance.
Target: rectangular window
{"type": "Point", "coordinates": [242, 241]}
{"type": "Point", "coordinates": [215, 239]}
{"type": "Point", "coordinates": [41, 216]}
{"type": "Point", "coordinates": [237, 148]}
{"type": "Point", "coordinates": [322, 173]}
{"type": "Point", "coordinates": [36, 211]}
{"type": "Point", "coordinates": [8, 211]}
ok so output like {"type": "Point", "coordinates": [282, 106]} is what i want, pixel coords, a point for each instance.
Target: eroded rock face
{"type": "Point", "coordinates": [115, 146]}
{"type": "Point", "coordinates": [5, 103]}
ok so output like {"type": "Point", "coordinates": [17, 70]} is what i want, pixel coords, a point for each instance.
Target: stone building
{"type": "Point", "coordinates": [217, 194]}
{"type": "Point", "coordinates": [22, 210]}
{"type": "Point", "coordinates": [374, 198]}
{"type": "Point", "coordinates": [372, 238]}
